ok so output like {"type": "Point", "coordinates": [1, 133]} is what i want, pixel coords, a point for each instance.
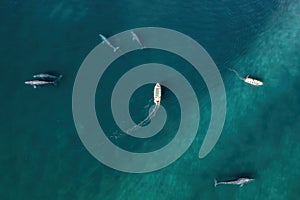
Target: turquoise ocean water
{"type": "Point", "coordinates": [42, 156]}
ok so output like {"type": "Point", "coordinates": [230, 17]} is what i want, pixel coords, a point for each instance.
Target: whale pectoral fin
{"type": "Point", "coordinates": [242, 185]}
{"type": "Point", "coordinates": [34, 86]}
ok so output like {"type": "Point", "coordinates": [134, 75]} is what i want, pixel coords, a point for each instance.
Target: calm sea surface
{"type": "Point", "coordinates": [41, 155]}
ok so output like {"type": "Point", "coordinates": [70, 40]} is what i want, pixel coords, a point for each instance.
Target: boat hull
{"type": "Point", "coordinates": [157, 93]}
{"type": "Point", "coordinates": [252, 81]}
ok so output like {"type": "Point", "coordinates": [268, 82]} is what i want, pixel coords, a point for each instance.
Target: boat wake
{"type": "Point", "coordinates": [236, 73]}
{"type": "Point", "coordinates": [151, 114]}
{"type": "Point", "coordinates": [247, 79]}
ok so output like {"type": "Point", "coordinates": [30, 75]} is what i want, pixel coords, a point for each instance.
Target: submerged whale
{"type": "Point", "coordinates": [36, 83]}
{"type": "Point", "coordinates": [45, 76]}
{"type": "Point", "coordinates": [239, 181]}
{"type": "Point", "coordinates": [136, 38]}
{"type": "Point", "coordinates": [108, 43]}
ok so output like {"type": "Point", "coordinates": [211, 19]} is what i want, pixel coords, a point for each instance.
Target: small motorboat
{"type": "Point", "coordinates": [157, 94]}
{"type": "Point", "coordinates": [253, 81]}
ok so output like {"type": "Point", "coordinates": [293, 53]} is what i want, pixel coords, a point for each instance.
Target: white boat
{"type": "Point", "coordinates": [157, 94]}
{"type": "Point", "coordinates": [253, 81]}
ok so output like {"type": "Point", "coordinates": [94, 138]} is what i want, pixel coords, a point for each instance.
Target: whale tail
{"type": "Point", "coordinates": [57, 80]}
{"type": "Point", "coordinates": [116, 48]}
{"type": "Point", "coordinates": [215, 182]}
